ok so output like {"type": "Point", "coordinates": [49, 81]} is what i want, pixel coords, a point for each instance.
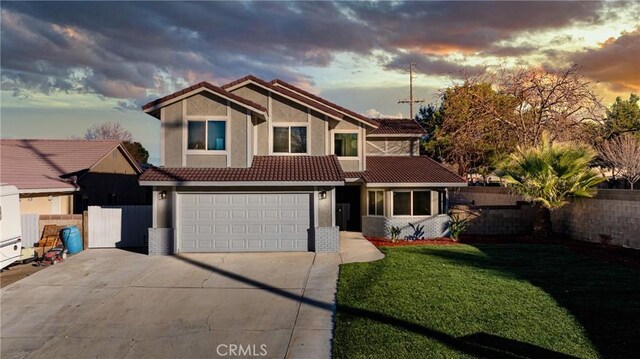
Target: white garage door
{"type": "Point", "coordinates": [244, 222]}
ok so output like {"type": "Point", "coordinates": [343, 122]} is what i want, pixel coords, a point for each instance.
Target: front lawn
{"type": "Point", "coordinates": [491, 300]}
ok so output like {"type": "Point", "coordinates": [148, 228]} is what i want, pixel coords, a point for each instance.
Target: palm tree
{"type": "Point", "coordinates": [548, 175]}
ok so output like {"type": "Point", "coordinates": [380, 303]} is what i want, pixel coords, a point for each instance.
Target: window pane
{"type": "Point", "coordinates": [346, 144]}
{"type": "Point", "coordinates": [421, 203]}
{"type": "Point", "coordinates": [280, 139]}
{"type": "Point", "coordinates": [298, 140]}
{"type": "Point", "coordinates": [380, 203]}
{"type": "Point", "coordinates": [401, 203]}
{"type": "Point", "coordinates": [196, 135]}
{"type": "Point", "coordinates": [217, 135]}
{"type": "Point", "coordinates": [372, 203]}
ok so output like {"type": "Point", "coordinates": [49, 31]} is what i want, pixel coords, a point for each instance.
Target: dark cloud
{"type": "Point", "coordinates": [430, 65]}
{"type": "Point", "coordinates": [616, 62]}
{"type": "Point", "coordinates": [132, 50]}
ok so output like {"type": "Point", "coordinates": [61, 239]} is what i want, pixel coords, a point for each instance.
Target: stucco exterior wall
{"type": "Point", "coordinates": [349, 165]}
{"type": "Point", "coordinates": [171, 122]}
{"type": "Point", "coordinates": [40, 204]}
{"type": "Point", "coordinates": [115, 162]}
{"type": "Point", "coordinates": [346, 124]}
{"type": "Point", "coordinates": [285, 110]}
{"type": "Point", "coordinates": [206, 160]}
{"type": "Point", "coordinates": [238, 139]}
{"type": "Point", "coordinates": [253, 93]}
{"type": "Point", "coordinates": [163, 207]}
{"type": "Point", "coordinates": [262, 137]}
{"type": "Point", "coordinates": [317, 133]}
{"type": "Point", "coordinates": [325, 210]}
{"type": "Point", "coordinates": [206, 104]}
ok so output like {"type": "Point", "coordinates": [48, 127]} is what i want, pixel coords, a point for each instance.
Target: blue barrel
{"type": "Point", "coordinates": [72, 239]}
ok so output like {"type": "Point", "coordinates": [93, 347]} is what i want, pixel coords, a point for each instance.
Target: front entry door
{"type": "Point", "coordinates": [343, 215]}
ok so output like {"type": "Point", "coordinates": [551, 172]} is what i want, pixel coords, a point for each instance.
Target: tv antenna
{"type": "Point", "coordinates": [411, 100]}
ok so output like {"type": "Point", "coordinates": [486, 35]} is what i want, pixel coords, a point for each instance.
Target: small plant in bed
{"type": "Point", "coordinates": [457, 226]}
{"type": "Point", "coordinates": [418, 232]}
{"type": "Point", "coordinates": [395, 233]}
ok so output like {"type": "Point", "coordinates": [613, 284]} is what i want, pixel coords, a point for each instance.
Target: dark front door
{"type": "Point", "coordinates": [348, 208]}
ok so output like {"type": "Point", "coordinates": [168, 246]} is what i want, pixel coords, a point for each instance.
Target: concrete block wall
{"type": "Point", "coordinates": [496, 220]}
{"type": "Point", "coordinates": [377, 226]}
{"type": "Point", "coordinates": [484, 196]}
{"type": "Point", "coordinates": [160, 242]}
{"type": "Point", "coordinates": [325, 239]}
{"type": "Point", "coordinates": [611, 217]}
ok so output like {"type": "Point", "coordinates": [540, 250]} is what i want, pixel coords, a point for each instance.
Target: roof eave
{"type": "Point", "coordinates": [241, 183]}
{"type": "Point", "coordinates": [417, 184]}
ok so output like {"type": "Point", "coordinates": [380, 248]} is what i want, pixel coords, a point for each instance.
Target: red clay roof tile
{"type": "Point", "coordinates": [405, 169]}
{"type": "Point", "coordinates": [264, 169]}
{"type": "Point", "coordinates": [405, 126]}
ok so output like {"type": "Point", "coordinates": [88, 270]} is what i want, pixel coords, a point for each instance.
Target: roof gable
{"type": "Point", "coordinates": [42, 164]}
{"type": "Point", "coordinates": [199, 87]}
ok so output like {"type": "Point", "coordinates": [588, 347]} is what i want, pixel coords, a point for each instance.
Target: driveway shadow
{"type": "Point", "coordinates": [479, 344]}
{"type": "Point", "coordinates": [603, 298]}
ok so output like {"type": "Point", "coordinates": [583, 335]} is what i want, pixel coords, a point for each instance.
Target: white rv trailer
{"type": "Point", "coordinates": [10, 226]}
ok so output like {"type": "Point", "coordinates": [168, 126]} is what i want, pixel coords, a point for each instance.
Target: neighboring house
{"type": "Point", "coordinates": [266, 166]}
{"type": "Point", "coordinates": [66, 176]}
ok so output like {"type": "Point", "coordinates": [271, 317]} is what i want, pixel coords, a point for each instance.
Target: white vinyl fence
{"type": "Point", "coordinates": [30, 229]}
{"type": "Point", "coordinates": [118, 226]}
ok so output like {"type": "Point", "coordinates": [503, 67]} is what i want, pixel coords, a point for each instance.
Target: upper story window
{"type": "Point", "coordinates": [346, 144]}
{"type": "Point", "coordinates": [412, 203]}
{"type": "Point", "coordinates": [206, 135]}
{"type": "Point", "coordinates": [290, 139]}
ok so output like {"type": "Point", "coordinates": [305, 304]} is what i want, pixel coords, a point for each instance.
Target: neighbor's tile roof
{"type": "Point", "coordinates": [211, 87]}
{"type": "Point", "coordinates": [390, 126]}
{"type": "Point", "coordinates": [263, 169]}
{"type": "Point", "coordinates": [405, 169]}
{"type": "Point", "coordinates": [39, 164]}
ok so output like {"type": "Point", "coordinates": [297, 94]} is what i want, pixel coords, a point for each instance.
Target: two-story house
{"type": "Point", "coordinates": [266, 166]}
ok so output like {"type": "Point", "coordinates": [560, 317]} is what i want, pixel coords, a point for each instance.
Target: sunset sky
{"type": "Point", "coordinates": [68, 65]}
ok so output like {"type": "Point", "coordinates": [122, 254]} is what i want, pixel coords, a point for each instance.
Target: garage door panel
{"type": "Point", "coordinates": [244, 222]}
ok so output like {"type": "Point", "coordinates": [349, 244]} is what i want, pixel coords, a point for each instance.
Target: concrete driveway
{"type": "Point", "coordinates": [109, 303]}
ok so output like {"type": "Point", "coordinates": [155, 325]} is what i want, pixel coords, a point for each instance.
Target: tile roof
{"type": "Point", "coordinates": [325, 102]}
{"type": "Point", "coordinates": [209, 86]}
{"type": "Point", "coordinates": [405, 169]}
{"type": "Point", "coordinates": [264, 169]}
{"type": "Point", "coordinates": [285, 92]}
{"type": "Point", "coordinates": [39, 164]}
{"type": "Point", "coordinates": [390, 126]}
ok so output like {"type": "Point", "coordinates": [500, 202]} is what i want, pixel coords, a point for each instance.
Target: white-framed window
{"type": "Point", "coordinates": [376, 203]}
{"type": "Point", "coordinates": [289, 139]}
{"type": "Point", "coordinates": [207, 135]}
{"type": "Point", "coordinates": [345, 144]}
{"type": "Point", "coordinates": [411, 203]}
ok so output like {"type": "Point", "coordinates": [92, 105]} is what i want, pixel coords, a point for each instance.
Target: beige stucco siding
{"type": "Point", "coordinates": [261, 137]}
{"type": "Point", "coordinates": [253, 93]}
{"type": "Point", "coordinates": [346, 124]}
{"type": "Point", "coordinates": [349, 165]}
{"type": "Point", "coordinates": [164, 216]}
{"type": "Point", "coordinates": [115, 162]}
{"type": "Point", "coordinates": [206, 160]}
{"type": "Point", "coordinates": [325, 210]}
{"type": "Point", "coordinates": [238, 139]}
{"type": "Point", "coordinates": [317, 133]}
{"type": "Point", "coordinates": [284, 110]}
{"type": "Point", "coordinates": [41, 204]}
{"type": "Point", "coordinates": [172, 127]}
{"type": "Point", "coordinates": [206, 104]}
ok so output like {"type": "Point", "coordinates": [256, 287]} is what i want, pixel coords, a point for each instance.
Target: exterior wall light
{"type": "Point", "coordinates": [322, 194]}
{"type": "Point", "coordinates": [162, 194]}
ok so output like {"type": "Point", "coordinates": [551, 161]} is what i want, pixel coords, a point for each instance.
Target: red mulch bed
{"type": "Point", "coordinates": [599, 251]}
{"type": "Point", "coordinates": [383, 242]}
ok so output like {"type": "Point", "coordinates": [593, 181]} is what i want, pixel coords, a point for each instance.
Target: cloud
{"type": "Point", "coordinates": [615, 62]}
{"type": "Point", "coordinates": [373, 113]}
{"type": "Point", "coordinates": [135, 50]}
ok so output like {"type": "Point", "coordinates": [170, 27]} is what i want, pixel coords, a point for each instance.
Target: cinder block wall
{"type": "Point", "coordinates": [484, 196]}
{"type": "Point", "coordinates": [611, 217]}
{"type": "Point", "coordinates": [434, 226]}
{"type": "Point", "coordinates": [496, 220]}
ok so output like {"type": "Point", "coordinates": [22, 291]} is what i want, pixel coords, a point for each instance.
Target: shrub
{"type": "Point", "coordinates": [457, 225]}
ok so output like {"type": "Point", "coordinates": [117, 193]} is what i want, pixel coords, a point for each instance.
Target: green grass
{"type": "Point", "coordinates": [515, 300]}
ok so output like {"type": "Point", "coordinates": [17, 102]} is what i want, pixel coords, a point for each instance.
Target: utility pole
{"type": "Point", "coordinates": [411, 101]}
